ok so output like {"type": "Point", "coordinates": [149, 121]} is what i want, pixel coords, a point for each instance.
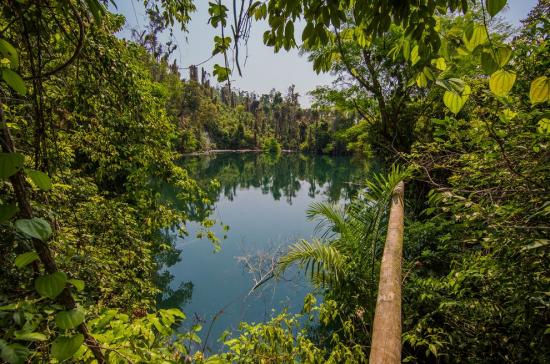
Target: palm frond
{"type": "Point", "coordinates": [331, 218]}
{"type": "Point", "coordinates": [321, 260]}
{"type": "Point", "coordinates": [380, 186]}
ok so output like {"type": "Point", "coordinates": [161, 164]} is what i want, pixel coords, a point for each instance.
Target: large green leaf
{"type": "Point", "coordinates": [455, 101]}
{"type": "Point", "coordinates": [488, 63]}
{"type": "Point", "coordinates": [478, 37]}
{"type": "Point", "coordinates": [25, 259]}
{"type": "Point", "coordinates": [540, 90]}
{"type": "Point", "coordinates": [40, 179]}
{"type": "Point", "coordinates": [9, 52]}
{"type": "Point", "coordinates": [77, 283]}
{"type": "Point", "coordinates": [7, 211]}
{"type": "Point", "coordinates": [415, 57]}
{"type": "Point", "coordinates": [36, 227]}
{"type": "Point", "coordinates": [13, 353]}
{"type": "Point", "coordinates": [64, 347]}
{"type": "Point", "coordinates": [501, 82]}
{"type": "Point", "coordinates": [10, 164]}
{"type": "Point", "coordinates": [15, 81]}
{"type": "Point", "coordinates": [502, 55]}
{"type": "Point", "coordinates": [30, 336]}
{"type": "Point", "coordinates": [51, 285]}
{"type": "Point", "coordinates": [494, 6]}
{"type": "Point", "coordinates": [69, 319]}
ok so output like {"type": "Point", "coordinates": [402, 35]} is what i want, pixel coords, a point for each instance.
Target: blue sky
{"type": "Point", "coordinates": [264, 69]}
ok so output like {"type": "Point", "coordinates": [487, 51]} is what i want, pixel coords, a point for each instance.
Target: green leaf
{"type": "Point", "coordinates": [222, 73]}
{"type": "Point", "coordinates": [543, 126]}
{"type": "Point", "coordinates": [96, 8]}
{"type": "Point", "coordinates": [488, 63]}
{"type": "Point", "coordinates": [9, 307]}
{"type": "Point", "coordinates": [414, 55]}
{"type": "Point", "coordinates": [540, 90]}
{"type": "Point", "coordinates": [8, 211]}
{"type": "Point", "coordinates": [9, 52]}
{"type": "Point", "coordinates": [494, 6]}
{"type": "Point", "coordinates": [77, 283]}
{"type": "Point", "coordinates": [64, 347]}
{"type": "Point", "coordinates": [10, 164]}
{"type": "Point", "coordinates": [25, 259]}
{"type": "Point", "coordinates": [40, 179]}
{"type": "Point", "coordinates": [69, 319]}
{"type": "Point", "coordinates": [479, 36]}
{"type": "Point", "coordinates": [440, 63]}
{"type": "Point", "coordinates": [455, 85]}
{"type": "Point", "coordinates": [421, 80]}
{"type": "Point", "coordinates": [13, 353]}
{"type": "Point", "coordinates": [502, 55]}
{"type": "Point", "coordinates": [51, 285]}
{"type": "Point", "coordinates": [36, 227]}
{"type": "Point", "coordinates": [14, 81]}
{"type": "Point", "coordinates": [30, 336]}
{"type": "Point", "coordinates": [454, 101]}
{"type": "Point", "coordinates": [501, 82]}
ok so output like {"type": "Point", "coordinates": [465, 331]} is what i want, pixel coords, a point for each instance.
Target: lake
{"type": "Point", "coordinates": [263, 200]}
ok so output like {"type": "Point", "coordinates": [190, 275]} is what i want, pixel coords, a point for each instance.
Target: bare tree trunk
{"type": "Point", "coordinates": [386, 335]}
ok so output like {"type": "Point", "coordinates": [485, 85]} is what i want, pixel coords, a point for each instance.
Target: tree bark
{"type": "Point", "coordinates": [386, 336]}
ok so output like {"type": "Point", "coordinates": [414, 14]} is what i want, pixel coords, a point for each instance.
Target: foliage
{"type": "Point", "coordinates": [90, 125]}
{"type": "Point", "coordinates": [271, 145]}
{"type": "Point", "coordinates": [284, 340]}
{"type": "Point", "coordinates": [345, 261]}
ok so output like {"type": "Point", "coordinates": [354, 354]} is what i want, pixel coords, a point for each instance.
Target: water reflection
{"type": "Point", "coordinates": [278, 175]}
{"type": "Point", "coordinates": [263, 199]}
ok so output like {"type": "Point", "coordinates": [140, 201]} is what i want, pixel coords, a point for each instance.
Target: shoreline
{"type": "Point", "coordinates": [215, 151]}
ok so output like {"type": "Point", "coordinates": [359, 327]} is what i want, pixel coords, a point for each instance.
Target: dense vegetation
{"type": "Point", "coordinates": [93, 126]}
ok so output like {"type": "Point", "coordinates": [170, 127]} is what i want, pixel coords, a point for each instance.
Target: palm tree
{"type": "Point", "coordinates": [344, 259]}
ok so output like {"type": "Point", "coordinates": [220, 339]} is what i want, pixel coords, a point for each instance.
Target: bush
{"type": "Point", "coordinates": [271, 145]}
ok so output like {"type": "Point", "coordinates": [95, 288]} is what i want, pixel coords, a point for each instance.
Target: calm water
{"type": "Point", "coordinates": [263, 200]}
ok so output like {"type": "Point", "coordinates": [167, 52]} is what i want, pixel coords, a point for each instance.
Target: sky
{"type": "Point", "coordinates": [264, 69]}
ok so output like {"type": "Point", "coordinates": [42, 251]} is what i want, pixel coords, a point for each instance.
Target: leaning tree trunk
{"type": "Point", "coordinates": [386, 335]}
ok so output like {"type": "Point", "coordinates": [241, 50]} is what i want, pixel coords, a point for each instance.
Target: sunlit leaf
{"type": "Point", "coordinates": [540, 90]}
{"type": "Point", "coordinates": [30, 336]}
{"type": "Point", "coordinates": [9, 52]}
{"type": "Point", "coordinates": [501, 82]}
{"type": "Point", "coordinates": [502, 55]}
{"type": "Point", "coordinates": [421, 80]}
{"type": "Point", "coordinates": [544, 126]}
{"type": "Point", "coordinates": [414, 55]}
{"type": "Point", "coordinates": [478, 37]}
{"type": "Point", "coordinates": [25, 259]}
{"type": "Point", "coordinates": [40, 179]}
{"type": "Point", "coordinates": [77, 283]}
{"type": "Point", "coordinates": [440, 63]}
{"type": "Point", "coordinates": [454, 101]}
